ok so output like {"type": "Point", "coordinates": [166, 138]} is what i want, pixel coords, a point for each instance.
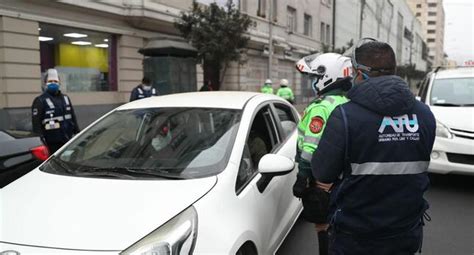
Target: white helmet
{"type": "Point", "coordinates": [325, 69]}
{"type": "Point", "coordinates": [268, 81]}
{"type": "Point", "coordinates": [283, 82]}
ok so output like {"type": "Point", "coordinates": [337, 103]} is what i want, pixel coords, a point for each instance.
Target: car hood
{"type": "Point", "coordinates": [43, 209]}
{"type": "Point", "coordinates": [455, 117]}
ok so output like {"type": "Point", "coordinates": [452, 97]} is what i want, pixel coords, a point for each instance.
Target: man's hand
{"type": "Point", "coordinates": [324, 186]}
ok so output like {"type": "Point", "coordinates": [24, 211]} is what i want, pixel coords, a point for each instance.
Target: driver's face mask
{"type": "Point", "coordinates": [162, 139]}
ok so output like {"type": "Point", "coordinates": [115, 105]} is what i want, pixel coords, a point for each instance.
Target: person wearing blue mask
{"type": "Point", "coordinates": [52, 114]}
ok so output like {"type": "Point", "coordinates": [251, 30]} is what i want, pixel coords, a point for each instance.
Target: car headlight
{"type": "Point", "coordinates": [176, 237]}
{"type": "Point", "coordinates": [442, 130]}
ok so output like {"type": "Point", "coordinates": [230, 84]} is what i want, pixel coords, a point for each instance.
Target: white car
{"type": "Point", "coordinates": [450, 95]}
{"type": "Point", "coordinates": [192, 173]}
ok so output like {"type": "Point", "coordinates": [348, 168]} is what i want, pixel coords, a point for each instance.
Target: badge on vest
{"type": "Point", "coordinates": [316, 125]}
{"type": "Point", "coordinates": [52, 125]}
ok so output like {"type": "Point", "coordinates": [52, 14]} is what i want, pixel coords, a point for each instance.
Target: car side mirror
{"type": "Point", "coordinates": [275, 165]}
{"type": "Point", "coordinates": [272, 165]}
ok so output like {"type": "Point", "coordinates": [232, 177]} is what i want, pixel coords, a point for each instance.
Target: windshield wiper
{"type": "Point", "coordinates": [447, 104]}
{"type": "Point", "coordinates": [130, 172]}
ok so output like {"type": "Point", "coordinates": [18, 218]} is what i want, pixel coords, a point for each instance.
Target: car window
{"type": "Point", "coordinates": [455, 91]}
{"type": "Point", "coordinates": [153, 142]}
{"type": "Point", "coordinates": [424, 88]}
{"type": "Point", "coordinates": [262, 139]}
{"type": "Point", "coordinates": [286, 118]}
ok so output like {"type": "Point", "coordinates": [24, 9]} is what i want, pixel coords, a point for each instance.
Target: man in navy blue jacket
{"type": "Point", "coordinates": [376, 150]}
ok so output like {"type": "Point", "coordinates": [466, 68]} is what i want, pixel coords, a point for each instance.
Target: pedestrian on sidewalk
{"type": "Point", "coordinates": [53, 116]}
{"type": "Point", "coordinates": [267, 87]}
{"type": "Point", "coordinates": [331, 78]}
{"type": "Point", "coordinates": [376, 150]}
{"type": "Point", "coordinates": [285, 91]}
{"type": "Point", "coordinates": [143, 90]}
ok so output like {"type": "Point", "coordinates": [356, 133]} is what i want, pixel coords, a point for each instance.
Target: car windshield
{"type": "Point", "coordinates": [178, 143]}
{"type": "Point", "coordinates": [453, 92]}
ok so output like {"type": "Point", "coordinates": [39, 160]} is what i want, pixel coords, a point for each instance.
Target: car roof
{"type": "Point", "coordinates": [460, 72]}
{"type": "Point", "coordinates": [214, 99]}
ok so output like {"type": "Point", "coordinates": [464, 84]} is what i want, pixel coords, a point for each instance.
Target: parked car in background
{"type": "Point", "coordinates": [192, 173]}
{"type": "Point", "coordinates": [20, 152]}
{"type": "Point", "coordinates": [450, 95]}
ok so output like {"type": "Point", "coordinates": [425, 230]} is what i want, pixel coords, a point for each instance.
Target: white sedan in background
{"type": "Point", "coordinates": [193, 173]}
{"type": "Point", "coordinates": [450, 95]}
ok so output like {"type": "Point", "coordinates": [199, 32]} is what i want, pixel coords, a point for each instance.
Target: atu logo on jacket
{"type": "Point", "coordinates": [400, 125]}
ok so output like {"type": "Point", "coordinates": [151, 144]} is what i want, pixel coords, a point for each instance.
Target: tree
{"type": "Point", "coordinates": [325, 48]}
{"type": "Point", "coordinates": [217, 33]}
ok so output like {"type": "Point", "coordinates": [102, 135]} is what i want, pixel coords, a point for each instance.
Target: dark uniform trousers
{"type": "Point", "coordinates": [408, 243]}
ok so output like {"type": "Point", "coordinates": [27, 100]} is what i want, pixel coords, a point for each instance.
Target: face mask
{"type": "Point", "coordinates": [147, 87]}
{"type": "Point", "coordinates": [365, 77]}
{"type": "Point", "coordinates": [52, 87]}
{"type": "Point", "coordinates": [160, 141]}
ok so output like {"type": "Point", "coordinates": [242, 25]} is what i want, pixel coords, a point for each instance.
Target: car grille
{"type": "Point", "coordinates": [463, 133]}
{"type": "Point", "coordinates": [461, 158]}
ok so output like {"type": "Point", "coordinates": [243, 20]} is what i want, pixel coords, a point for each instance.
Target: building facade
{"type": "Point", "coordinates": [296, 28]}
{"type": "Point", "coordinates": [389, 21]}
{"type": "Point", "coordinates": [103, 48]}
{"type": "Point", "coordinates": [431, 15]}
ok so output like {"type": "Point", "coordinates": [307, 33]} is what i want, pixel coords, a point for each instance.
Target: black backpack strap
{"type": "Point", "coordinates": [347, 166]}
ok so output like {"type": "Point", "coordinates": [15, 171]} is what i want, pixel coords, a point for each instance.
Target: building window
{"type": "Point", "coordinates": [322, 33]}
{"type": "Point", "coordinates": [431, 22]}
{"type": "Point", "coordinates": [275, 10]}
{"type": "Point", "coordinates": [308, 25]}
{"type": "Point", "coordinates": [291, 19]}
{"type": "Point", "coordinates": [431, 40]}
{"type": "Point", "coordinates": [432, 5]}
{"type": "Point", "coordinates": [431, 13]}
{"type": "Point", "coordinates": [418, 6]}
{"type": "Point", "coordinates": [418, 14]}
{"type": "Point", "coordinates": [261, 8]}
{"type": "Point", "coordinates": [86, 60]}
{"type": "Point", "coordinates": [431, 31]}
{"type": "Point", "coordinates": [328, 34]}
{"type": "Point", "coordinates": [243, 5]}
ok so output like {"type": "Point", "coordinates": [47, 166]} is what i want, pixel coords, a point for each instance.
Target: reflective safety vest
{"type": "Point", "coordinates": [57, 123]}
{"type": "Point", "coordinates": [286, 93]}
{"type": "Point", "coordinates": [267, 89]}
{"type": "Point", "coordinates": [311, 126]}
{"type": "Point", "coordinates": [146, 93]}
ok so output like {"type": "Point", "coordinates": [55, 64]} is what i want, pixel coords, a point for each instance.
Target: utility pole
{"type": "Point", "coordinates": [270, 39]}
{"type": "Point", "coordinates": [362, 7]}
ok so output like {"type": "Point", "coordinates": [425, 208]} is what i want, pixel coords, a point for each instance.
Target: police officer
{"type": "Point", "coordinates": [331, 73]}
{"type": "Point", "coordinates": [376, 148]}
{"type": "Point", "coordinates": [267, 87]}
{"type": "Point", "coordinates": [143, 90]}
{"type": "Point", "coordinates": [285, 92]}
{"type": "Point", "coordinates": [53, 115]}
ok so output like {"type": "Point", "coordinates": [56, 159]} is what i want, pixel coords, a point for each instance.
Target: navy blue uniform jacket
{"type": "Point", "coordinates": [379, 162]}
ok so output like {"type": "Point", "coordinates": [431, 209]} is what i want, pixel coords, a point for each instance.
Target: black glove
{"type": "Point", "coordinates": [300, 186]}
{"type": "Point", "coordinates": [315, 205]}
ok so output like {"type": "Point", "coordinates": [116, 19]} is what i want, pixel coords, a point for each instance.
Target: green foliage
{"type": "Point", "coordinates": [326, 48]}
{"type": "Point", "coordinates": [216, 32]}
{"type": "Point", "coordinates": [410, 72]}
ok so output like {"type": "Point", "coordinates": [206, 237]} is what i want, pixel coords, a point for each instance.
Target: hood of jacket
{"type": "Point", "coordinates": [385, 95]}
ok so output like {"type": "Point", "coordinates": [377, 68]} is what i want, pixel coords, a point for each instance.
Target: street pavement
{"type": "Point", "coordinates": [450, 232]}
